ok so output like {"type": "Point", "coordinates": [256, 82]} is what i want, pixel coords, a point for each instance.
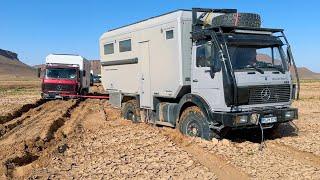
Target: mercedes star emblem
{"type": "Point", "coordinates": [265, 94]}
{"type": "Point", "coordinates": [59, 87]}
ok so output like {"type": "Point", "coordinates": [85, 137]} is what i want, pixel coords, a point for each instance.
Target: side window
{"type": "Point", "coordinates": [108, 48]}
{"type": "Point", "coordinates": [203, 56]}
{"type": "Point", "coordinates": [169, 34]}
{"type": "Point", "coordinates": [125, 45]}
{"type": "Point", "coordinates": [276, 57]}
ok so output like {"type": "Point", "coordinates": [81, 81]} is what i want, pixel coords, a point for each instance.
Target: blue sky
{"type": "Point", "coordinates": [35, 28]}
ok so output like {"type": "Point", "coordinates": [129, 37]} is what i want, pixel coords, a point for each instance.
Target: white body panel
{"type": "Point", "coordinates": [168, 63]}
{"type": "Point", "coordinates": [84, 65]}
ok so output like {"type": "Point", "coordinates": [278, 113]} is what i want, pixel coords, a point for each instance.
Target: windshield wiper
{"type": "Point", "coordinates": [255, 68]}
{"type": "Point", "coordinates": [280, 69]}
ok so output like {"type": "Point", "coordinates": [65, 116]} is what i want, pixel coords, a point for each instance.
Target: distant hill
{"type": "Point", "coordinates": [95, 66]}
{"type": "Point", "coordinates": [12, 67]}
{"type": "Point", "coordinates": [304, 73]}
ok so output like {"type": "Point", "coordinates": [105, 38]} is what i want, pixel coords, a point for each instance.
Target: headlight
{"type": "Point", "coordinates": [242, 119]}
{"type": "Point", "coordinates": [289, 115]}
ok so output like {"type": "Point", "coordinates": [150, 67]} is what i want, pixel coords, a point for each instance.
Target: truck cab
{"type": "Point", "coordinates": [65, 76]}
{"type": "Point", "coordinates": [242, 75]}
{"type": "Point", "coordinates": [60, 79]}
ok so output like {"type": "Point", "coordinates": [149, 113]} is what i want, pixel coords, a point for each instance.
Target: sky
{"type": "Point", "coordinates": [36, 28]}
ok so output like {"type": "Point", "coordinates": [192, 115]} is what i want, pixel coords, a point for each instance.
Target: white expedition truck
{"type": "Point", "coordinates": [204, 71]}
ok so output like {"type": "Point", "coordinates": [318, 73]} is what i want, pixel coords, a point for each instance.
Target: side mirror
{"type": "Point", "coordinates": [39, 72]}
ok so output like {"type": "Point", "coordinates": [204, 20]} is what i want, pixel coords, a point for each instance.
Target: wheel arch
{"type": "Point", "coordinates": [128, 97]}
{"type": "Point", "coordinates": [189, 100]}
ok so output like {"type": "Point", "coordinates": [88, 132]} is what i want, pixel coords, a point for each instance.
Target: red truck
{"type": "Point", "coordinates": [65, 75]}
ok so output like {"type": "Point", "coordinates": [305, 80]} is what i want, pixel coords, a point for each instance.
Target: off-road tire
{"type": "Point", "coordinates": [194, 118]}
{"type": "Point", "coordinates": [238, 19]}
{"type": "Point", "coordinates": [130, 111]}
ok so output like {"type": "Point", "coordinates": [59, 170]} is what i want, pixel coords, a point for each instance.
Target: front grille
{"type": "Point", "coordinates": [58, 87]}
{"type": "Point", "coordinates": [269, 94]}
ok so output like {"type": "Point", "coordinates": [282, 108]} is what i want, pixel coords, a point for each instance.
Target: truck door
{"type": "Point", "coordinates": [202, 84]}
{"type": "Point", "coordinates": [145, 86]}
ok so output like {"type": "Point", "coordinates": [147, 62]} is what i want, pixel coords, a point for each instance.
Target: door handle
{"type": "Point", "coordinates": [195, 80]}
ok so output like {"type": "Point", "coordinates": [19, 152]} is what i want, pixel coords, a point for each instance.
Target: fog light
{"type": "Point", "coordinates": [241, 119]}
{"type": "Point", "coordinates": [254, 118]}
{"type": "Point", "coordinates": [289, 115]}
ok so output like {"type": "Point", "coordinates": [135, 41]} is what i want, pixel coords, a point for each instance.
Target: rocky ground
{"type": "Point", "coordinates": [89, 140]}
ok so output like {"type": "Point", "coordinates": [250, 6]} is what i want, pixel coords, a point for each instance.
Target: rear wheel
{"type": "Point", "coordinates": [130, 110]}
{"type": "Point", "coordinates": [194, 123]}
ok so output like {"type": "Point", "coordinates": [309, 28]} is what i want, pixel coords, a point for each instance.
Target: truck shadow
{"type": "Point", "coordinates": [255, 135]}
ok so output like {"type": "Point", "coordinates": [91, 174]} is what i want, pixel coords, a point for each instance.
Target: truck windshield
{"type": "Point", "coordinates": [61, 73]}
{"type": "Point", "coordinates": [259, 58]}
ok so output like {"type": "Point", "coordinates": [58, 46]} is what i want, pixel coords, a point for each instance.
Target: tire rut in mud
{"type": "Point", "coordinates": [30, 150]}
{"type": "Point", "coordinates": [215, 163]}
{"type": "Point", "coordinates": [305, 157]}
{"type": "Point", "coordinates": [19, 112]}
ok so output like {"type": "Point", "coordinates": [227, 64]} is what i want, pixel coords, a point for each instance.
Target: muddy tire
{"type": "Point", "coordinates": [130, 110]}
{"type": "Point", "coordinates": [238, 19]}
{"type": "Point", "coordinates": [194, 123]}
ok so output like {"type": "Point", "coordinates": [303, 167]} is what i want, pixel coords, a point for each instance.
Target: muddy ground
{"type": "Point", "coordinates": [88, 139]}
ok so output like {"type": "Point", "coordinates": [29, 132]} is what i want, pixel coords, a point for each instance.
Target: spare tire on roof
{"type": "Point", "coordinates": [238, 19]}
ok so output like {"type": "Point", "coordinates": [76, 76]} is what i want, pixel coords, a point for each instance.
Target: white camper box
{"type": "Point", "coordinates": [156, 64]}
{"type": "Point", "coordinates": [67, 59]}
{"type": "Point", "coordinates": [156, 73]}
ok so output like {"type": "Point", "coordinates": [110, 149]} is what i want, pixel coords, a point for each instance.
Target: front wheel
{"type": "Point", "coordinates": [194, 123]}
{"type": "Point", "coordinates": [130, 111]}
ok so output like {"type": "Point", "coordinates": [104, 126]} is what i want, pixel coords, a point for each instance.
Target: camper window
{"type": "Point", "coordinates": [108, 49]}
{"type": "Point", "coordinates": [125, 45]}
{"type": "Point", "coordinates": [169, 34]}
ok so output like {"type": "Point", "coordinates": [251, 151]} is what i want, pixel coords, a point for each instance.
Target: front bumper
{"type": "Point", "coordinates": [56, 94]}
{"type": "Point", "coordinates": [252, 118]}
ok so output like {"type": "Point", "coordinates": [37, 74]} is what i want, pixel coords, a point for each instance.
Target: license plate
{"type": "Point", "coordinates": [268, 120]}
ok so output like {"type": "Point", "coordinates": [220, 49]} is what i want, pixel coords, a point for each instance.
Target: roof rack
{"type": "Point", "coordinates": [207, 32]}
{"type": "Point", "coordinates": [232, 29]}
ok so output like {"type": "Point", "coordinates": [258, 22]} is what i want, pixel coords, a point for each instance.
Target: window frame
{"type": "Point", "coordinates": [166, 34]}
{"type": "Point", "coordinates": [125, 40]}
{"type": "Point", "coordinates": [198, 61]}
{"type": "Point", "coordinates": [104, 48]}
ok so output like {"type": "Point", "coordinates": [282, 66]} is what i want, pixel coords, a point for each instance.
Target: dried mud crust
{"type": "Point", "coordinates": [27, 136]}
{"type": "Point", "coordinates": [91, 141]}
{"type": "Point", "coordinates": [308, 137]}
{"type": "Point", "coordinates": [115, 148]}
